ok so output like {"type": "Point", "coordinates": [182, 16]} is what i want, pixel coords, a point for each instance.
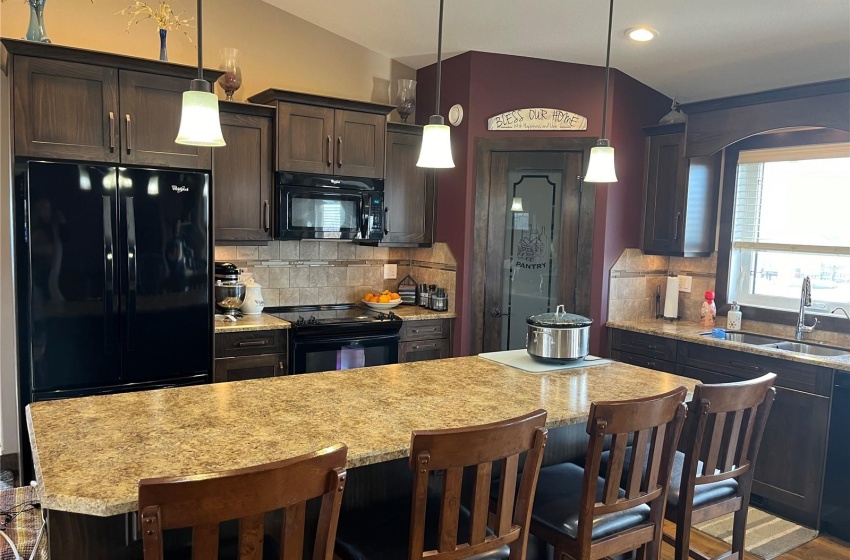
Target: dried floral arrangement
{"type": "Point", "coordinates": [162, 14]}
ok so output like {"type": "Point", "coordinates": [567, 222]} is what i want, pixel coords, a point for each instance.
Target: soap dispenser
{"type": "Point", "coordinates": [733, 318]}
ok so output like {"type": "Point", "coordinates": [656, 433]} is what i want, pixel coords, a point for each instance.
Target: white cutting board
{"type": "Point", "coordinates": [521, 360]}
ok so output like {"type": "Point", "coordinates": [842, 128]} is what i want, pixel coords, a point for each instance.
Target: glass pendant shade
{"type": "Point", "coordinates": [199, 120]}
{"type": "Point", "coordinates": [436, 149]}
{"type": "Point", "coordinates": [600, 169]}
{"type": "Point", "coordinates": [516, 205]}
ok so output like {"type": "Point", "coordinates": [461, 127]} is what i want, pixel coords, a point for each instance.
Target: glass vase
{"type": "Point", "coordinates": [35, 31]}
{"type": "Point", "coordinates": [406, 98]}
{"type": "Point", "coordinates": [163, 50]}
{"type": "Point", "coordinates": [231, 80]}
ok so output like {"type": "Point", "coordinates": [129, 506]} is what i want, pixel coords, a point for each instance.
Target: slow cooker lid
{"type": "Point", "coordinates": [560, 318]}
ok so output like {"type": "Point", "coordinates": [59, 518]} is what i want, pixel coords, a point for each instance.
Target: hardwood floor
{"type": "Point", "coordinates": [822, 548]}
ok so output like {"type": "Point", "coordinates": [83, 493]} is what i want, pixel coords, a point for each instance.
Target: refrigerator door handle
{"type": "Point", "coordinates": [132, 259]}
{"type": "Point", "coordinates": [108, 276]}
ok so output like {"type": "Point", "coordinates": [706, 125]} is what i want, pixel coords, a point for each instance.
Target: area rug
{"type": "Point", "coordinates": [768, 536]}
{"type": "Point", "coordinates": [21, 522]}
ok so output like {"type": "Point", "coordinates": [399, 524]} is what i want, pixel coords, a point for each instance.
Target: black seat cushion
{"type": "Point", "coordinates": [703, 493]}
{"type": "Point", "coordinates": [382, 532]}
{"type": "Point", "coordinates": [556, 504]}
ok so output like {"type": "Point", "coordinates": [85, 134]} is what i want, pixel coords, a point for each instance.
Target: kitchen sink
{"type": "Point", "coordinates": [748, 338]}
{"type": "Point", "coordinates": [810, 349]}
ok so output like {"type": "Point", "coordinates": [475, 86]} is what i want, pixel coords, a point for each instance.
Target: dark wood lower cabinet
{"type": "Point", "coordinates": [430, 339]}
{"type": "Point", "coordinates": [790, 469]}
{"type": "Point", "coordinates": [425, 350]}
{"type": "Point", "coordinates": [249, 367]}
{"type": "Point", "coordinates": [250, 355]}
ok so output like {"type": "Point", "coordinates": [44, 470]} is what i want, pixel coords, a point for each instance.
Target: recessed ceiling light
{"type": "Point", "coordinates": [641, 34]}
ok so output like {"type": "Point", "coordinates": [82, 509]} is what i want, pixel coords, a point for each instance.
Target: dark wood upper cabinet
{"type": "Point", "coordinates": [360, 143]}
{"type": "Point", "coordinates": [326, 135]}
{"type": "Point", "coordinates": [83, 105]}
{"type": "Point", "coordinates": [305, 138]}
{"type": "Point", "coordinates": [243, 174]}
{"type": "Point", "coordinates": [65, 110]}
{"type": "Point", "coordinates": [680, 202]}
{"type": "Point", "coordinates": [150, 118]}
{"type": "Point", "coordinates": [408, 190]}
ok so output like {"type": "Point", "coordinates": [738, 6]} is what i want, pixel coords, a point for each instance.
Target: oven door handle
{"type": "Point", "coordinates": [320, 340]}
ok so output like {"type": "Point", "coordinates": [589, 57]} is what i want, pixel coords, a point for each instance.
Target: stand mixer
{"type": "Point", "coordinates": [229, 290]}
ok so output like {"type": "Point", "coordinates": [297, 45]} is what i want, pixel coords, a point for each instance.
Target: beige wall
{"type": "Point", "coordinates": [278, 49]}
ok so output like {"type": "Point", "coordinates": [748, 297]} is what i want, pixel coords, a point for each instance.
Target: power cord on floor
{"type": "Point", "coordinates": [6, 518]}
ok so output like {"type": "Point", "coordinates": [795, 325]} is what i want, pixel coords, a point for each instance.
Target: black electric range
{"type": "Point", "coordinates": [335, 337]}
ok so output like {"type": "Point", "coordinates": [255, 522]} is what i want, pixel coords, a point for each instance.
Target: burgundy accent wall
{"type": "Point", "coordinates": [486, 84]}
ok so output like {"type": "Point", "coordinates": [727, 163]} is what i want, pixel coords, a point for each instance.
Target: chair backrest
{"type": "Point", "coordinates": [655, 424]}
{"type": "Point", "coordinates": [477, 447]}
{"type": "Point", "coordinates": [723, 430]}
{"type": "Point", "coordinates": [204, 501]}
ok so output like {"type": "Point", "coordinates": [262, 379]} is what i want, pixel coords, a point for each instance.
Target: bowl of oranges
{"type": "Point", "coordinates": [382, 301]}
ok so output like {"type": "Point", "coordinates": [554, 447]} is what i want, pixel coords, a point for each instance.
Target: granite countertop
{"type": "Point", "coordinates": [91, 452]}
{"type": "Point", "coordinates": [691, 332]}
{"type": "Point", "coordinates": [261, 322]}
{"type": "Point", "coordinates": [416, 313]}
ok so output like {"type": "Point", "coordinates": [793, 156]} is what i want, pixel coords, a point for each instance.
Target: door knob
{"type": "Point", "coordinates": [496, 313]}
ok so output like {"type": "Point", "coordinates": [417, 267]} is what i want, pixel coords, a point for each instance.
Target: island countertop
{"type": "Point", "coordinates": [91, 452]}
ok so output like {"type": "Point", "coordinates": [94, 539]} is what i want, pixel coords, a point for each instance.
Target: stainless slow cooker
{"type": "Point", "coordinates": [558, 337]}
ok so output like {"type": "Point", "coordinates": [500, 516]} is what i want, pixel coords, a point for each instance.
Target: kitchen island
{"type": "Point", "coordinates": [91, 452]}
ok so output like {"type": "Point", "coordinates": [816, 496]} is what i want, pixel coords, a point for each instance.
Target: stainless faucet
{"type": "Point", "coordinates": [805, 301]}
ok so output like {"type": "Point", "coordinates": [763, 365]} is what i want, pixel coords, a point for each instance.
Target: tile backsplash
{"type": "Point", "coordinates": [636, 277]}
{"type": "Point", "coordinates": [334, 272]}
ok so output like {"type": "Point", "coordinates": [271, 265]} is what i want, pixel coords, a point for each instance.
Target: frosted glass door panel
{"type": "Point", "coordinates": [533, 228]}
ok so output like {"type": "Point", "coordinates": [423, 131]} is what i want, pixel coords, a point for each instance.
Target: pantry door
{"type": "Point", "coordinates": [534, 237]}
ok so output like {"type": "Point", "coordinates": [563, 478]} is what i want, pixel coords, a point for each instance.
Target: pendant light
{"type": "Point", "coordinates": [436, 151]}
{"type": "Point", "coordinates": [199, 120]}
{"type": "Point", "coordinates": [600, 169]}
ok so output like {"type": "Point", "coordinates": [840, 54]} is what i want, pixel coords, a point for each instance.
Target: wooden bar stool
{"type": "Point", "coordinates": [713, 474]}
{"type": "Point", "coordinates": [585, 517]}
{"type": "Point", "coordinates": [435, 525]}
{"type": "Point", "coordinates": [204, 501]}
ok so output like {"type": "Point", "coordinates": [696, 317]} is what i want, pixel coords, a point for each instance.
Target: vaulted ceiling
{"type": "Point", "coordinates": [705, 49]}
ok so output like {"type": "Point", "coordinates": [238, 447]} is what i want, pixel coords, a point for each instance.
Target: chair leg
{"type": "Point", "coordinates": [643, 553]}
{"type": "Point", "coordinates": [683, 540]}
{"type": "Point", "coordinates": [739, 532]}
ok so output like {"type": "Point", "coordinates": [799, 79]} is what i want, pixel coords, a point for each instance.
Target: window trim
{"type": "Point", "coordinates": [727, 209]}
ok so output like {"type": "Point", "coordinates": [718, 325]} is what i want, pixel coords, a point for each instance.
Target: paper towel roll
{"type": "Point", "coordinates": [671, 301]}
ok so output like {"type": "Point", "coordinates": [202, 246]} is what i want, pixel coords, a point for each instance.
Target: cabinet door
{"type": "Point", "coordinates": [666, 185]}
{"type": "Point", "coordinates": [65, 110]}
{"type": "Point", "coordinates": [425, 350]}
{"type": "Point", "coordinates": [360, 144]}
{"type": "Point", "coordinates": [151, 106]}
{"type": "Point", "coordinates": [305, 139]}
{"type": "Point", "coordinates": [249, 367]}
{"type": "Point", "coordinates": [789, 471]}
{"type": "Point", "coordinates": [242, 179]}
{"type": "Point", "coordinates": [408, 191]}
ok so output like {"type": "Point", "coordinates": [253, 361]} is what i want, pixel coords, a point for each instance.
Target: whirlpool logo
{"type": "Point", "coordinates": [179, 189]}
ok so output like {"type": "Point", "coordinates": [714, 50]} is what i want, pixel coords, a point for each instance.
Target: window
{"type": "Point", "coordinates": [790, 220]}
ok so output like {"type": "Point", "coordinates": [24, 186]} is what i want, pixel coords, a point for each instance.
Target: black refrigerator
{"type": "Point", "coordinates": [112, 281]}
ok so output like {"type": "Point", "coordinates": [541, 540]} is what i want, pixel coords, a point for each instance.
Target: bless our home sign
{"type": "Point", "coordinates": [537, 119]}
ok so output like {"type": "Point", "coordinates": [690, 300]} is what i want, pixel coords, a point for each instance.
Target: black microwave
{"type": "Point", "coordinates": [329, 207]}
